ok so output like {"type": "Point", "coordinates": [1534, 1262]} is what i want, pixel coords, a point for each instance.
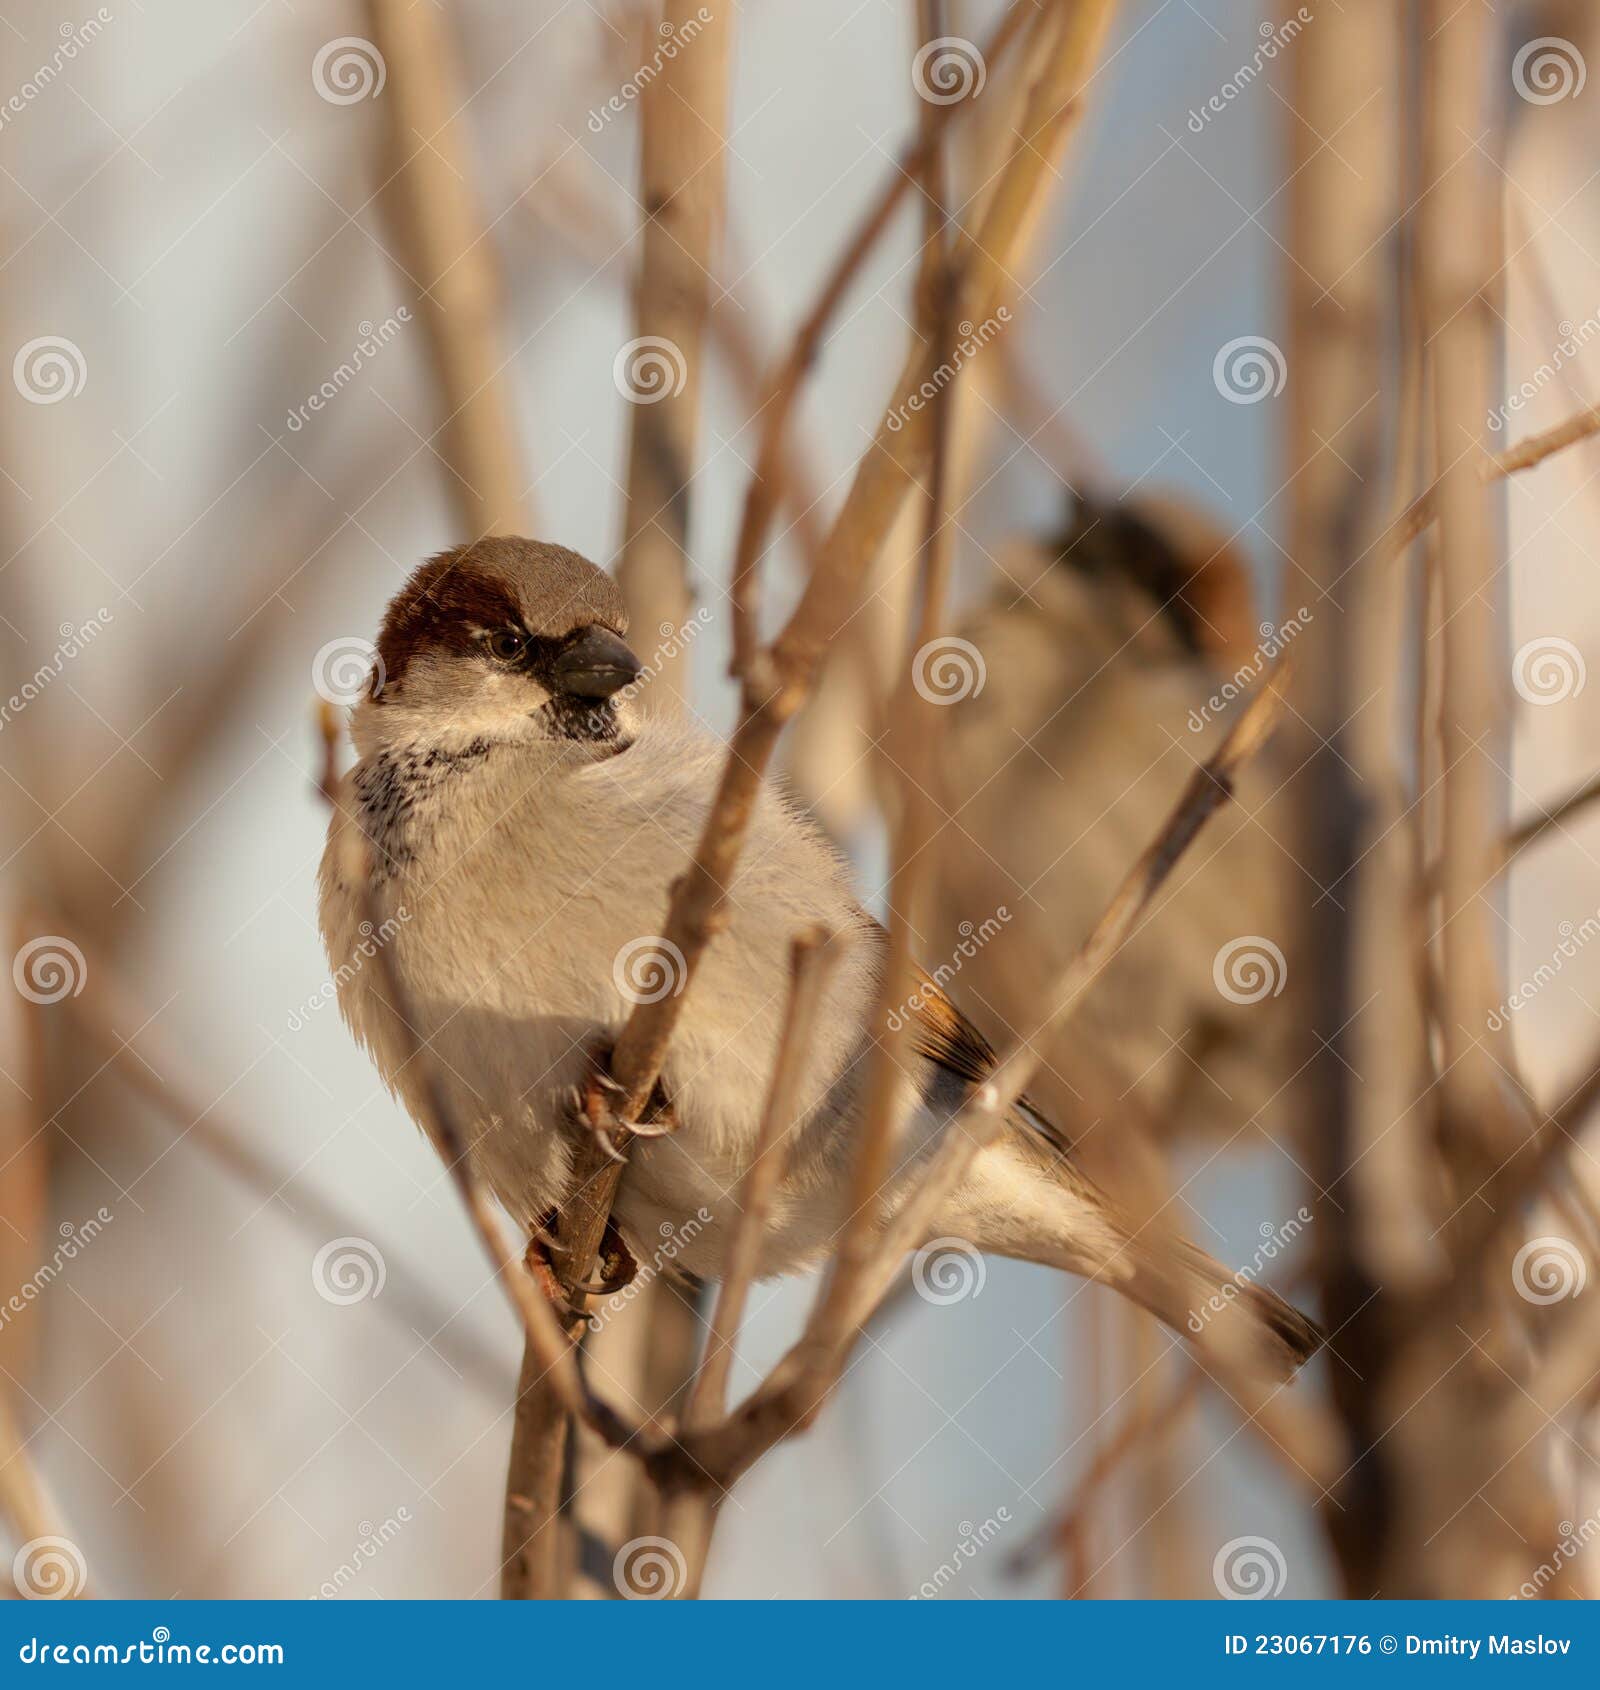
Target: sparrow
{"type": "Point", "coordinates": [1102, 674]}
{"type": "Point", "coordinates": [518, 821]}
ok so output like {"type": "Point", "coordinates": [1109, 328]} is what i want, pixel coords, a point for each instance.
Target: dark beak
{"type": "Point", "coordinates": [595, 665]}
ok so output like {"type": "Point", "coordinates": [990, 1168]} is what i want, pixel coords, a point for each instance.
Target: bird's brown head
{"type": "Point", "coordinates": [504, 640]}
{"type": "Point", "coordinates": [1174, 554]}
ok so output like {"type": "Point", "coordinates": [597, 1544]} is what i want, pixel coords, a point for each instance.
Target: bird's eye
{"type": "Point", "coordinates": [505, 645]}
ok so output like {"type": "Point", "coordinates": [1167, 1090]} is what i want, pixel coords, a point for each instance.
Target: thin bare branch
{"type": "Point", "coordinates": [450, 257]}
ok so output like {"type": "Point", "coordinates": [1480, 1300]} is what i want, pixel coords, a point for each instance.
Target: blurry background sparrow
{"type": "Point", "coordinates": [1105, 664]}
{"type": "Point", "coordinates": [527, 820]}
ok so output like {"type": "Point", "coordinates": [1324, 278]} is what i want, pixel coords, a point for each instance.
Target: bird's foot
{"type": "Point", "coordinates": [596, 1105]}
{"type": "Point", "coordinates": [618, 1269]}
{"type": "Point", "coordinates": [540, 1264]}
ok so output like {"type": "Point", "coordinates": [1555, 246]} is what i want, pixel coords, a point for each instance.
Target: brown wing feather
{"type": "Point", "coordinates": [945, 1037]}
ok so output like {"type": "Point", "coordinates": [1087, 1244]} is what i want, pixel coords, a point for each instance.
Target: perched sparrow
{"type": "Point", "coordinates": [1108, 663]}
{"type": "Point", "coordinates": [523, 823]}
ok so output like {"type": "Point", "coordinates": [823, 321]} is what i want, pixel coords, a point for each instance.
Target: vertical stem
{"type": "Point", "coordinates": [1457, 263]}
{"type": "Point", "coordinates": [682, 176]}
{"type": "Point", "coordinates": [1362, 1011]}
{"type": "Point", "coordinates": [440, 231]}
{"type": "Point", "coordinates": [683, 120]}
{"type": "Point", "coordinates": [910, 746]}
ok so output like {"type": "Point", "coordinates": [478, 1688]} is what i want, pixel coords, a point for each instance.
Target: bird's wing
{"type": "Point", "coordinates": [946, 1038]}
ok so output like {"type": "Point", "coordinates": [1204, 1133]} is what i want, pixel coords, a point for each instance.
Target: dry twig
{"type": "Point", "coordinates": [450, 258]}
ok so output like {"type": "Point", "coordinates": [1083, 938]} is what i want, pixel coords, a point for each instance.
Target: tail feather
{"type": "Point", "coordinates": [1197, 1297]}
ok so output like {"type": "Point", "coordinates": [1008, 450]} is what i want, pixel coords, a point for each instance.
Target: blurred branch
{"type": "Point", "coordinates": [767, 480]}
{"type": "Point", "coordinates": [683, 117]}
{"type": "Point", "coordinates": [915, 729]}
{"type": "Point", "coordinates": [1366, 1143]}
{"type": "Point", "coordinates": [1062, 1529]}
{"type": "Point", "coordinates": [691, 1511]}
{"type": "Point", "coordinates": [27, 1504]}
{"type": "Point", "coordinates": [1526, 454]}
{"type": "Point", "coordinates": [682, 120]}
{"type": "Point", "coordinates": [450, 258]}
{"type": "Point", "coordinates": [1457, 260]}
{"type": "Point", "coordinates": [25, 1171]}
{"type": "Point", "coordinates": [812, 963]}
{"type": "Point", "coordinates": [101, 1008]}
{"type": "Point", "coordinates": [1536, 827]}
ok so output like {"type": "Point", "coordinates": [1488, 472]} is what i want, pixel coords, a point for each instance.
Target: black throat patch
{"type": "Point", "coordinates": [389, 786]}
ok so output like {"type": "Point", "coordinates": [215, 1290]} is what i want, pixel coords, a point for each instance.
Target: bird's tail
{"type": "Point", "coordinates": [1204, 1301]}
